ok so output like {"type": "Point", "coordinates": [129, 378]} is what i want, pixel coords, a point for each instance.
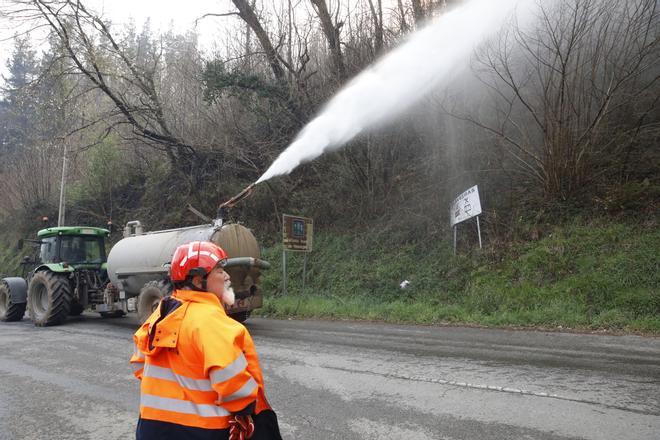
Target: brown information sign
{"type": "Point", "coordinates": [297, 233]}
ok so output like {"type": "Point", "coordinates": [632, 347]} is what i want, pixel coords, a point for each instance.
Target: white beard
{"type": "Point", "coordinates": [228, 297]}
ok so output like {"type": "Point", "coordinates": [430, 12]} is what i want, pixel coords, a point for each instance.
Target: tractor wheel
{"type": "Point", "coordinates": [9, 311]}
{"type": "Point", "coordinates": [49, 298]}
{"type": "Point", "coordinates": [76, 309]}
{"type": "Point", "coordinates": [149, 298]}
{"type": "Point", "coordinates": [240, 316]}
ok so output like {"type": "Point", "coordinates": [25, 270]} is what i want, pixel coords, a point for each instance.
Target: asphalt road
{"type": "Point", "coordinates": [347, 380]}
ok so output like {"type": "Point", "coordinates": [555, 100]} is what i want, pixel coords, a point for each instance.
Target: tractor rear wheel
{"type": "Point", "coordinates": [9, 311]}
{"type": "Point", "coordinates": [149, 298]}
{"type": "Point", "coordinates": [49, 298]}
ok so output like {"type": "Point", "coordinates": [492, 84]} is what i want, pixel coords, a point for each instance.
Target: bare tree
{"type": "Point", "coordinates": [563, 92]}
{"type": "Point", "coordinates": [403, 24]}
{"type": "Point", "coordinates": [246, 12]}
{"type": "Point", "coordinates": [377, 17]}
{"type": "Point", "coordinates": [24, 190]}
{"type": "Point", "coordinates": [96, 54]}
{"type": "Point", "coordinates": [331, 30]}
{"type": "Point", "coordinates": [418, 10]}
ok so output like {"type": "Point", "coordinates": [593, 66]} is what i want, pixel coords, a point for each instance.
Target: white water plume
{"type": "Point", "coordinates": [396, 81]}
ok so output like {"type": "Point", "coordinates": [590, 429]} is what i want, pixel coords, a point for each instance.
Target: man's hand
{"type": "Point", "coordinates": [241, 427]}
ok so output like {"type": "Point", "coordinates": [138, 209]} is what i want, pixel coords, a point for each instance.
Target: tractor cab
{"type": "Point", "coordinates": [73, 246]}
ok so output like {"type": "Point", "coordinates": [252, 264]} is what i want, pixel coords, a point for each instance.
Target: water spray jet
{"type": "Point", "coordinates": [392, 85]}
{"type": "Point", "coordinates": [430, 56]}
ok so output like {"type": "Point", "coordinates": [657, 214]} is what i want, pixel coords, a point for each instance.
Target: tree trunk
{"type": "Point", "coordinates": [402, 11]}
{"type": "Point", "coordinates": [377, 17]}
{"type": "Point", "coordinates": [332, 35]}
{"type": "Point", "coordinates": [246, 12]}
{"type": "Point", "coordinates": [418, 11]}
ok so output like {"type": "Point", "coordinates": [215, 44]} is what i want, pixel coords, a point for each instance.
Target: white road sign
{"type": "Point", "coordinates": [465, 206]}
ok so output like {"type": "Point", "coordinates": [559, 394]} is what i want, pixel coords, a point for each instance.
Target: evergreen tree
{"type": "Point", "coordinates": [18, 104]}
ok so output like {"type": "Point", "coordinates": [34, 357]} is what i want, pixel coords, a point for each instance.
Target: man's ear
{"type": "Point", "coordinates": [197, 281]}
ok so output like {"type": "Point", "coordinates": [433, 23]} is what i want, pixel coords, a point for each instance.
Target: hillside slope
{"type": "Point", "coordinates": [583, 275]}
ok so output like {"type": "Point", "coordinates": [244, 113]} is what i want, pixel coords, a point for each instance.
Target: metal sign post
{"type": "Point", "coordinates": [60, 215]}
{"type": "Point", "coordinates": [284, 271]}
{"type": "Point", "coordinates": [304, 272]}
{"type": "Point", "coordinates": [479, 232]}
{"type": "Point", "coordinates": [297, 234]}
{"type": "Point", "coordinates": [464, 207]}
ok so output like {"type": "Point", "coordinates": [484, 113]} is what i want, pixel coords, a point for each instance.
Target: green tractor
{"type": "Point", "coordinates": [70, 275]}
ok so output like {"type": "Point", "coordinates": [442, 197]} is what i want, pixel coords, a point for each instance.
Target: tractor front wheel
{"type": "Point", "coordinates": [49, 298]}
{"type": "Point", "coordinates": [9, 310]}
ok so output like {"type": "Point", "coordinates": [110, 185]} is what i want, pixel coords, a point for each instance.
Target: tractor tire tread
{"type": "Point", "coordinates": [60, 298]}
{"type": "Point", "coordinates": [15, 312]}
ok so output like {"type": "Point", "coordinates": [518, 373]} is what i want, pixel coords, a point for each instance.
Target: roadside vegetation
{"type": "Point", "coordinates": [583, 275]}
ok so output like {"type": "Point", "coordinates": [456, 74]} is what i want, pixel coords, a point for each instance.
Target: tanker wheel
{"type": "Point", "coordinates": [148, 299]}
{"type": "Point", "coordinates": [240, 316]}
{"type": "Point", "coordinates": [76, 309]}
{"type": "Point", "coordinates": [9, 311]}
{"type": "Point", "coordinates": [49, 298]}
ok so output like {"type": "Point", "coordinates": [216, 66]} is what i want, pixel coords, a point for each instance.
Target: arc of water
{"type": "Point", "coordinates": [386, 89]}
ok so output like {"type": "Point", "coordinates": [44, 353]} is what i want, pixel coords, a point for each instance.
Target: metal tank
{"type": "Point", "coordinates": [142, 259]}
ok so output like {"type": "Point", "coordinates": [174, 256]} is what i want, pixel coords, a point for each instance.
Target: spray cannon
{"type": "Point", "coordinates": [223, 209]}
{"type": "Point", "coordinates": [138, 265]}
{"type": "Point", "coordinates": [238, 197]}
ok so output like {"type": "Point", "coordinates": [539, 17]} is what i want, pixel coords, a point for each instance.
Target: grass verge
{"type": "Point", "coordinates": [596, 275]}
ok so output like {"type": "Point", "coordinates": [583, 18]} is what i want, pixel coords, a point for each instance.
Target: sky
{"type": "Point", "coordinates": [181, 15]}
{"type": "Point", "coordinates": [163, 14]}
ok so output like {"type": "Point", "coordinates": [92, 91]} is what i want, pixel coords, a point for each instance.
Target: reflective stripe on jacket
{"type": "Point", "coordinates": [197, 365]}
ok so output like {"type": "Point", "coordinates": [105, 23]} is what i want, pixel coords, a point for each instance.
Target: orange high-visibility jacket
{"type": "Point", "coordinates": [197, 365]}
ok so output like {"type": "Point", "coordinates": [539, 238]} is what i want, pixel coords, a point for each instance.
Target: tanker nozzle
{"type": "Point", "coordinates": [222, 209]}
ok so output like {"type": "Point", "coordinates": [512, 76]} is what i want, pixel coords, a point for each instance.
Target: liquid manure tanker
{"type": "Point", "coordinates": [139, 264]}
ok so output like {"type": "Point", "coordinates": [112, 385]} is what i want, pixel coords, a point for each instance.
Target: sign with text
{"type": "Point", "coordinates": [298, 233]}
{"type": "Point", "coordinates": [465, 206]}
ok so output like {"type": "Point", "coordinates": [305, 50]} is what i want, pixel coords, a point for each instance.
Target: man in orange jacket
{"type": "Point", "coordinates": [199, 371]}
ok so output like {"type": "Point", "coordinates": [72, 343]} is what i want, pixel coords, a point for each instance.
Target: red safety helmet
{"type": "Point", "coordinates": [196, 258]}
